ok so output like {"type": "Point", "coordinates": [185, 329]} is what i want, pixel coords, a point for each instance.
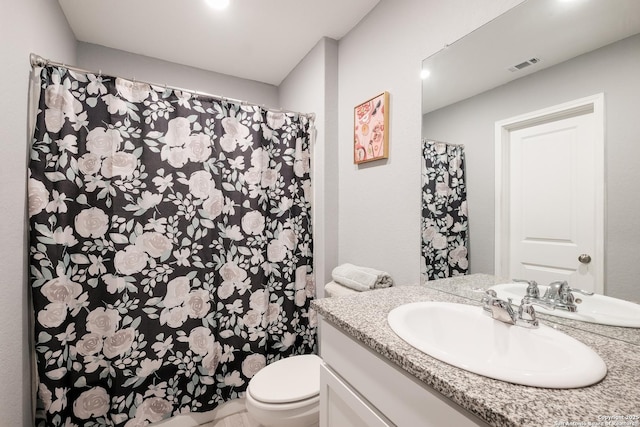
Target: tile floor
{"type": "Point", "coordinates": [240, 419]}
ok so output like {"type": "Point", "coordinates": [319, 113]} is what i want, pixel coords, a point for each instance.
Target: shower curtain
{"type": "Point", "coordinates": [170, 248]}
{"type": "Point", "coordinates": [444, 211]}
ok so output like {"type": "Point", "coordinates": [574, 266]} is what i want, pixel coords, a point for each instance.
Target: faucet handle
{"type": "Point", "coordinates": [527, 315]}
{"type": "Point", "coordinates": [564, 291]}
{"type": "Point", "coordinates": [580, 291]}
{"type": "Point", "coordinates": [488, 298]}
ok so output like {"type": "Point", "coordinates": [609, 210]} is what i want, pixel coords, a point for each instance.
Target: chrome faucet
{"type": "Point", "coordinates": [497, 308]}
{"type": "Point", "coordinates": [558, 294]}
{"type": "Point", "coordinates": [503, 310]}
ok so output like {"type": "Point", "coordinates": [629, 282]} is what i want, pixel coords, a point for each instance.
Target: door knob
{"type": "Point", "coordinates": [584, 258]}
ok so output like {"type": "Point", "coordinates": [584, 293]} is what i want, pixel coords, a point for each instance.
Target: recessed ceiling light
{"type": "Point", "coordinates": [424, 74]}
{"type": "Point", "coordinates": [218, 4]}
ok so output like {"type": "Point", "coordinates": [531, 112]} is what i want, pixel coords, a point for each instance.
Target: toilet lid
{"type": "Point", "coordinates": [287, 380]}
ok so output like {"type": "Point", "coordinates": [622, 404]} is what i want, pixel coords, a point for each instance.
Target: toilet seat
{"type": "Point", "coordinates": [304, 404]}
{"type": "Point", "coordinates": [290, 382]}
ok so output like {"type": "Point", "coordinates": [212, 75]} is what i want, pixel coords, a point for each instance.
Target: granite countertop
{"type": "Point", "coordinates": [364, 317]}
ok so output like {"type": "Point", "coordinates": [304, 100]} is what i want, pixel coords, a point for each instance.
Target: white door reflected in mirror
{"type": "Point", "coordinates": [550, 196]}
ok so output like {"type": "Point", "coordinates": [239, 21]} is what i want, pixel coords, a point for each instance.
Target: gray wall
{"type": "Point", "coordinates": [612, 70]}
{"type": "Point", "coordinates": [129, 65]}
{"type": "Point", "coordinates": [25, 26]}
{"type": "Point", "coordinates": [379, 215]}
{"type": "Point", "coordinates": [313, 87]}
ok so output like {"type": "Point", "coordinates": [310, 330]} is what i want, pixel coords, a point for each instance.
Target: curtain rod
{"type": "Point", "coordinates": [433, 141]}
{"type": "Point", "coordinates": [38, 61]}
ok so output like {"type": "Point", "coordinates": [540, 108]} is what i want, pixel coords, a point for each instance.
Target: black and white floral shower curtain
{"type": "Point", "coordinates": [170, 248]}
{"type": "Point", "coordinates": [444, 211]}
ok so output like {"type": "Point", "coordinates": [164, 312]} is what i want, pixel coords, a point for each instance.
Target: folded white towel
{"type": "Point", "coordinates": [333, 289]}
{"type": "Point", "coordinates": [361, 278]}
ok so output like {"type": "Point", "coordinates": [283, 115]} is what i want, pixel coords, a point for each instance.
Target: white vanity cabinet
{"type": "Point", "coordinates": [359, 388]}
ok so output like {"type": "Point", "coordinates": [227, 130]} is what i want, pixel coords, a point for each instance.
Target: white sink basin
{"type": "Point", "coordinates": [593, 309]}
{"type": "Point", "coordinates": [463, 336]}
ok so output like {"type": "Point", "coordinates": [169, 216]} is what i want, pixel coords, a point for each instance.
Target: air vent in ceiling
{"type": "Point", "coordinates": [524, 64]}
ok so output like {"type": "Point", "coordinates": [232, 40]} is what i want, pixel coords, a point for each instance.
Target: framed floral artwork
{"type": "Point", "coordinates": [371, 129]}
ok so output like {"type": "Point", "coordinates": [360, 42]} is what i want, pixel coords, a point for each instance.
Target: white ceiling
{"type": "Point", "coordinates": [261, 40]}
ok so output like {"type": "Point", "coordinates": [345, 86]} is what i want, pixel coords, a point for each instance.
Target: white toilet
{"type": "Point", "coordinates": [286, 393]}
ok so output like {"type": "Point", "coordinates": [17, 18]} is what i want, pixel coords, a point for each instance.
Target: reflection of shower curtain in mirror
{"type": "Point", "coordinates": [170, 249]}
{"type": "Point", "coordinates": [444, 211]}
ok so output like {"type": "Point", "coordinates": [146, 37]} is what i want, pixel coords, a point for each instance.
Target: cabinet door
{"type": "Point", "coordinates": [404, 401]}
{"type": "Point", "coordinates": [342, 406]}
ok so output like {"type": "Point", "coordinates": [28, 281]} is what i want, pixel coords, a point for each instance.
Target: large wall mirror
{"type": "Point", "coordinates": [541, 54]}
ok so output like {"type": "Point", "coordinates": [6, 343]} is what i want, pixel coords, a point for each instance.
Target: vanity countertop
{"type": "Point", "coordinates": [364, 317]}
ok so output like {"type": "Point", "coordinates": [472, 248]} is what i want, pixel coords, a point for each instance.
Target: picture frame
{"type": "Point", "coordinates": [371, 129]}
